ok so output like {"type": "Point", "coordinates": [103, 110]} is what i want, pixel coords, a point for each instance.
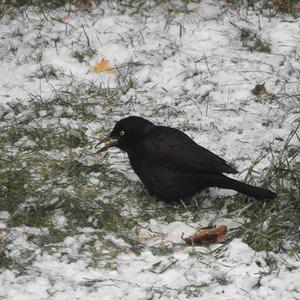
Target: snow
{"type": "Point", "coordinates": [177, 276]}
{"type": "Point", "coordinates": [196, 75]}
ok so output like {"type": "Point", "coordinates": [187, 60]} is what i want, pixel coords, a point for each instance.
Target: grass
{"type": "Point", "coordinates": [141, 7]}
{"type": "Point", "coordinates": [273, 7]}
{"type": "Point", "coordinates": [45, 143]}
{"type": "Point", "coordinates": [137, 7]}
{"type": "Point", "coordinates": [271, 224]}
{"type": "Point", "coordinates": [252, 41]}
{"type": "Point", "coordinates": [43, 4]}
{"type": "Point", "coordinates": [44, 174]}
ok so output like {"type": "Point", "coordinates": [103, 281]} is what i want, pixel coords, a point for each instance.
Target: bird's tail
{"type": "Point", "coordinates": [247, 189]}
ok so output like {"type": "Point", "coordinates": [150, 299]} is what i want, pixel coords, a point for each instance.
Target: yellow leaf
{"type": "Point", "coordinates": [88, 2]}
{"type": "Point", "coordinates": [102, 66]}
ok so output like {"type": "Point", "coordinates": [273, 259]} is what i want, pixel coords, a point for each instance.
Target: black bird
{"type": "Point", "coordinates": [170, 164]}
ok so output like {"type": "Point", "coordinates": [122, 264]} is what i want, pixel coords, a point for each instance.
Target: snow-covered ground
{"type": "Point", "coordinates": [193, 68]}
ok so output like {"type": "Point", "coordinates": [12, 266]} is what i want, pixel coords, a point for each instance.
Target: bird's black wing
{"type": "Point", "coordinates": [174, 148]}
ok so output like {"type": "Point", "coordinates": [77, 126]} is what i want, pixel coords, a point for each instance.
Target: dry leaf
{"type": "Point", "coordinates": [88, 2]}
{"type": "Point", "coordinates": [83, 4]}
{"type": "Point", "coordinates": [24, 236]}
{"type": "Point", "coordinates": [2, 235]}
{"type": "Point", "coordinates": [63, 19]}
{"type": "Point", "coordinates": [260, 90]}
{"type": "Point", "coordinates": [207, 236]}
{"type": "Point", "coordinates": [142, 234]}
{"type": "Point", "coordinates": [102, 66]}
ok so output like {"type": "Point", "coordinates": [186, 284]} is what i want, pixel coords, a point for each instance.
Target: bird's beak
{"type": "Point", "coordinates": [106, 143]}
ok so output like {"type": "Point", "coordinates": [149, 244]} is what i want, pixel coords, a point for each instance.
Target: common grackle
{"type": "Point", "coordinates": [170, 164]}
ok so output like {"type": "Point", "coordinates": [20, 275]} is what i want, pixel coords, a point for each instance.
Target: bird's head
{"type": "Point", "coordinates": [126, 134]}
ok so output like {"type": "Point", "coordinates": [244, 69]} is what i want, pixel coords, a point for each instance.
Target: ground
{"type": "Point", "coordinates": [76, 224]}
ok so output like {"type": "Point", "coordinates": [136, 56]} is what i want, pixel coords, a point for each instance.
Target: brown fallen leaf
{"type": "Point", "coordinates": [142, 234]}
{"type": "Point", "coordinates": [291, 6]}
{"type": "Point", "coordinates": [206, 236]}
{"type": "Point", "coordinates": [63, 19]}
{"type": "Point", "coordinates": [24, 236]}
{"type": "Point", "coordinates": [2, 235]}
{"type": "Point", "coordinates": [260, 90]}
{"type": "Point", "coordinates": [102, 66]}
{"type": "Point", "coordinates": [83, 4]}
{"type": "Point", "coordinates": [88, 2]}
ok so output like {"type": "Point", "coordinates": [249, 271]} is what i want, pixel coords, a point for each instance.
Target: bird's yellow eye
{"type": "Point", "coordinates": [122, 133]}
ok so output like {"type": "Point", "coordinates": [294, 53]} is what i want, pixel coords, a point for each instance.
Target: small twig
{"type": "Point", "coordinates": [208, 69]}
{"type": "Point", "coordinates": [87, 39]}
